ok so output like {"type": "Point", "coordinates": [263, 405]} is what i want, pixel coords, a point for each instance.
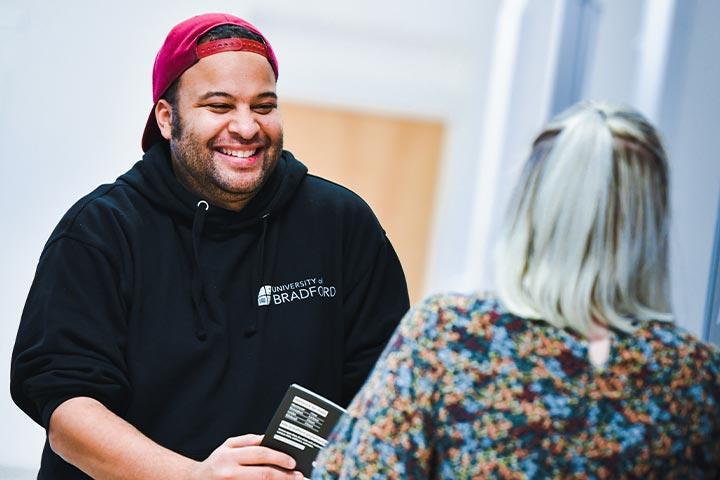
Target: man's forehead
{"type": "Point", "coordinates": [230, 72]}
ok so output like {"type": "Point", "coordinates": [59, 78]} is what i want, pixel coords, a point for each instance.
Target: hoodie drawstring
{"type": "Point", "coordinates": [201, 322]}
{"type": "Point", "coordinates": [261, 312]}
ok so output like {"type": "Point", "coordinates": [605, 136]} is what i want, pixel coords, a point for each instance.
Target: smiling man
{"type": "Point", "coordinates": [171, 309]}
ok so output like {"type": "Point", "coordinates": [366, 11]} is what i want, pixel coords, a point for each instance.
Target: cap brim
{"type": "Point", "coordinates": [152, 134]}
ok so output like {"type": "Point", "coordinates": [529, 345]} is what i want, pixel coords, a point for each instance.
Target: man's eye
{"type": "Point", "coordinates": [219, 106]}
{"type": "Point", "coordinates": [265, 108]}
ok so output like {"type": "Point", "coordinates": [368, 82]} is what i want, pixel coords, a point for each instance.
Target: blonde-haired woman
{"type": "Point", "coordinates": [576, 369]}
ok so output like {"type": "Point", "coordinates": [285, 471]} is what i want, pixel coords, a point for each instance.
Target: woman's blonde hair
{"type": "Point", "coordinates": [585, 240]}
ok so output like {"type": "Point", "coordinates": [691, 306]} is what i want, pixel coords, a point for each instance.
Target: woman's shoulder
{"type": "Point", "coordinates": [462, 304]}
{"type": "Point", "coordinates": [670, 339]}
{"type": "Point", "coordinates": [453, 314]}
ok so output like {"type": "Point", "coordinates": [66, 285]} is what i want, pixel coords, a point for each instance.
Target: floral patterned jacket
{"type": "Point", "coordinates": [466, 390]}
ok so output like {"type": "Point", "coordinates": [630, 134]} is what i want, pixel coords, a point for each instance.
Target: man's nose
{"type": "Point", "coordinates": [244, 123]}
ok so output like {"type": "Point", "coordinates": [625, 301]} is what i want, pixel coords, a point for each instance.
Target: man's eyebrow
{"type": "Point", "coordinates": [268, 94]}
{"type": "Point", "coordinates": [216, 94]}
{"type": "Point", "coordinates": [208, 95]}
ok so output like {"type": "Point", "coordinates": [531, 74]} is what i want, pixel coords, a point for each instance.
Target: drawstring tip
{"type": "Point", "coordinates": [250, 331]}
{"type": "Point", "coordinates": [201, 335]}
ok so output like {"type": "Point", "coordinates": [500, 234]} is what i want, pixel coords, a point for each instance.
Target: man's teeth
{"type": "Point", "coordinates": [238, 153]}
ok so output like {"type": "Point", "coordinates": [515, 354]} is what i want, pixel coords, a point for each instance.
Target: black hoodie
{"type": "Point", "coordinates": [190, 321]}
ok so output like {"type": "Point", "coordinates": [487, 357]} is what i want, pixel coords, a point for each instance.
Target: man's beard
{"type": "Point", "coordinates": [195, 159]}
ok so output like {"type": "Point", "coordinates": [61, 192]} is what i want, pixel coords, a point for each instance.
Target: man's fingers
{"type": "Point", "coordinates": [246, 450]}
{"type": "Point", "coordinates": [243, 457]}
{"type": "Point", "coordinates": [263, 456]}
{"type": "Point", "coordinates": [249, 440]}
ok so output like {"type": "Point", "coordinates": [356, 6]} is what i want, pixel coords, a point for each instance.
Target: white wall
{"type": "Point", "coordinates": [689, 116]}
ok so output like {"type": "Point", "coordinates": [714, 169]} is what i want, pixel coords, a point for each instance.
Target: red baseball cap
{"type": "Point", "coordinates": [181, 51]}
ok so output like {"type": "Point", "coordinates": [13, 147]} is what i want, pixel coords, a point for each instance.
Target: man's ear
{"type": "Point", "coordinates": [163, 116]}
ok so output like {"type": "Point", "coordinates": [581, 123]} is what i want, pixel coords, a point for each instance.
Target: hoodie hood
{"type": "Point", "coordinates": [155, 179]}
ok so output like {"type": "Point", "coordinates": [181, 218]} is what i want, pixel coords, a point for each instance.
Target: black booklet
{"type": "Point", "coordinates": [301, 425]}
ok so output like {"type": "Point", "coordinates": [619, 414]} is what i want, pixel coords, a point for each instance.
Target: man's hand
{"type": "Point", "coordinates": [106, 447]}
{"type": "Point", "coordinates": [242, 458]}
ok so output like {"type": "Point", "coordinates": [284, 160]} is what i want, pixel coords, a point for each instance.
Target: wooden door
{"type": "Point", "coordinates": [390, 161]}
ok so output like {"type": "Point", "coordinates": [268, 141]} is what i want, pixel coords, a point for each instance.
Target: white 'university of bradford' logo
{"type": "Point", "coordinates": [290, 292]}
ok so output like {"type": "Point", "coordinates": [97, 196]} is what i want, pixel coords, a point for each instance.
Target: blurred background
{"type": "Point", "coordinates": [424, 108]}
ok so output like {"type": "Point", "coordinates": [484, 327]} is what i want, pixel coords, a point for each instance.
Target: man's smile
{"type": "Point", "coordinates": [241, 156]}
{"type": "Point", "coordinates": [238, 153]}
